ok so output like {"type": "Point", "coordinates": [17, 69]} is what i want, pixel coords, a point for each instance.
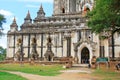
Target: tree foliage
{"type": "Point", "coordinates": [2, 20]}
{"type": "Point", "coordinates": [104, 16]}
{"type": "Point", "coordinates": [2, 53]}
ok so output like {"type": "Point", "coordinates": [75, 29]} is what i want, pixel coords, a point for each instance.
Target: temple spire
{"type": "Point", "coordinates": [14, 26]}
{"type": "Point", "coordinates": [28, 18]}
{"type": "Point", "coordinates": [41, 8]}
{"type": "Point", "coordinates": [40, 13]}
{"type": "Point", "coordinates": [28, 15]}
{"type": "Point", "coordinates": [14, 20]}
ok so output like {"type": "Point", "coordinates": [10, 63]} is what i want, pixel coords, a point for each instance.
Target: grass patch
{"type": "Point", "coordinates": [106, 74]}
{"type": "Point", "coordinates": [44, 70]}
{"type": "Point", "coordinates": [8, 76]}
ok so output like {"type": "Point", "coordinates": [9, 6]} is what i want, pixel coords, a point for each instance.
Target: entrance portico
{"type": "Point", "coordinates": [83, 52]}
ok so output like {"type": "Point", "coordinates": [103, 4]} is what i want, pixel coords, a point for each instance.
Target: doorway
{"type": "Point", "coordinates": [63, 10]}
{"type": "Point", "coordinates": [49, 58]}
{"type": "Point", "coordinates": [85, 56]}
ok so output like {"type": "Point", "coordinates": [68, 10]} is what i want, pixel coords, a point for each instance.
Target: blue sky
{"type": "Point", "coordinates": [19, 9]}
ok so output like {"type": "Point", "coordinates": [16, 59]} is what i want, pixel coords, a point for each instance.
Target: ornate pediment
{"type": "Point", "coordinates": [92, 44]}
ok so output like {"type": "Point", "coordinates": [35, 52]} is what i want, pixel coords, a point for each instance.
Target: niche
{"type": "Point", "coordinates": [63, 10]}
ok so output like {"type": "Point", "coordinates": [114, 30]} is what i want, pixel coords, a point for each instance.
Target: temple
{"type": "Point", "coordinates": [64, 34]}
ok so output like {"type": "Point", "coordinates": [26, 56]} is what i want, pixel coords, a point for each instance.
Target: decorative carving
{"type": "Point", "coordinates": [49, 54]}
{"type": "Point", "coordinates": [19, 55]}
{"type": "Point", "coordinates": [93, 62]}
{"type": "Point", "coordinates": [75, 50]}
{"type": "Point", "coordinates": [34, 54]}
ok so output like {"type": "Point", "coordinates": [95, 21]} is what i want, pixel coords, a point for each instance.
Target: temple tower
{"type": "Point", "coordinates": [71, 6]}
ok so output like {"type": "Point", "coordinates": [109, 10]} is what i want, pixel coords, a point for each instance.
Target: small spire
{"type": "Point", "coordinates": [14, 20]}
{"type": "Point", "coordinates": [14, 25]}
{"type": "Point", "coordinates": [28, 17]}
{"type": "Point", "coordinates": [41, 8]}
{"type": "Point", "coordinates": [40, 13]}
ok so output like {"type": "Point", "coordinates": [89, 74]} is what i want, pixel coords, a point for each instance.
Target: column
{"type": "Point", "coordinates": [68, 46]}
{"type": "Point", "coordinates": [14, 46]}
{"type": "Point", "coordinates": [29, 46]}
{"type": "Point", "coordinates": [41, 45]}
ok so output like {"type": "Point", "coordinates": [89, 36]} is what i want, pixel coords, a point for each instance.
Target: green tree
{"type": "Point", "coordinates": [2, 53]}
{"type": "Point", "coordinates": [2, 20]}
{"type": "Point", "coordinates": [105, 17]}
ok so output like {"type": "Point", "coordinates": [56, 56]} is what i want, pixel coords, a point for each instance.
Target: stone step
{"type": "Point", "coordinates": [80, 65]}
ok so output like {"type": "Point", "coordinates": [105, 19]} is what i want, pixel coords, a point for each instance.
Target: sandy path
{"type": "Point", "coordinates": [66, 75]}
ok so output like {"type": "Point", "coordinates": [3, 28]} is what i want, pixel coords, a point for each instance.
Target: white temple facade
{"type": "Point", "coordinates": [68, 32]}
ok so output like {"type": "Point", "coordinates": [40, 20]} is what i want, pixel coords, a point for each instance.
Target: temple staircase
{"type": "Point", "coordinates": [80, 66]}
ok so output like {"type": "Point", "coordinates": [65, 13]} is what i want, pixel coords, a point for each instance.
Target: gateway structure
{"type": "Point", "coordinates": [64, 34]}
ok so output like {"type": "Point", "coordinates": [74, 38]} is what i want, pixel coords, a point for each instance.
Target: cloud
{"type": "Point", "coordinates": [5, 12]}
{"type": "Point", "coordinates": [42, 1]}
{"type": "Point", "coordinates": [3, 39]}
{"type": "Point", "coordinates": [6, 28]}
{"type": "Point", "coordinates": [32, 6]}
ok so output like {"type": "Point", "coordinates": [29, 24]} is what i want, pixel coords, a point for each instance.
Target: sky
{"type": "Point", "coordinates": [19, 9]}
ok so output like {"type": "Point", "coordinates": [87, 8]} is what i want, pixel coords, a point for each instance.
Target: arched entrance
{"type": "Point", "coordinates": [85, 56]}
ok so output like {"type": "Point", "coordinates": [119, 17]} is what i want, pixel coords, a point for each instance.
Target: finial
{"type": "Point", "coordinates": [41, 8]}
{"type": "Point", "coordinates": [14, 24]}
{"type": "Point", "coordinates": [14, 20]}
{"type": "Point", "coordinates": [28, 12]}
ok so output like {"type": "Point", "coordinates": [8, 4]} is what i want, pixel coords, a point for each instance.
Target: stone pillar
{"type": "Point", "coordinates": [68, 46]}
{"type": "Point", "coordinates": [29, 46]}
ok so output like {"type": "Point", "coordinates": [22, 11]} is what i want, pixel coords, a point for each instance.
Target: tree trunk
{"type": "Point", "coordinates": [113, 50]}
